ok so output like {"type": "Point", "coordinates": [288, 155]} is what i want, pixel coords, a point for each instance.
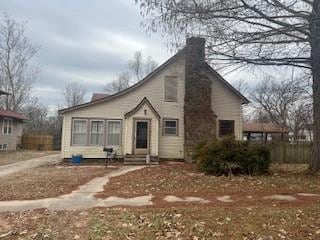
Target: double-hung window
{"type": "Point", "coordinates": [7, 126]}
{"type": "Point", "coordinates": [226, 128]}
{"type": "Point", "coordinates": [96, 132]}
{"type": "Point", "coordinates": [113, 133]}
{"type": "Point", "coordinates": [80, 127]}
{"type": "Point", "coordinates": [170, 127]}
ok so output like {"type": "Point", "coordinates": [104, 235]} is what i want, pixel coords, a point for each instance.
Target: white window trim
{"type": "Point", "coordinates": [106, 132]}
{"type": "Point", "coordinates": [164, 126]}
{"type": "Point", "coordinates": [103, 132]}
{"type": "Point", "coordinates": [72, 129]}
{"type": "Point", "coordinates": [11, 125]}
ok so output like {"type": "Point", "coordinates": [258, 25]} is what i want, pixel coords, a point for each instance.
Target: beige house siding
{"type": "Point", "coordinates": [226, 105]}
{"type": "Point", "coordinates": [169, 146]}
{"type": "Point", "coordinates": [15, 138]}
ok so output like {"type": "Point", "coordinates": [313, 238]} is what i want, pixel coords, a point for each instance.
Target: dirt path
{"type": "Point", "coordinates": [82, 198]}
{"type": "Point", "coordinates": [32, 163]}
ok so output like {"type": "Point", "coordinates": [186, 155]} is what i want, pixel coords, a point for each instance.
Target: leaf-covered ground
{"type": "Point", "coordinates": [159, 223]}
{"type": "Point", "coordinates": [23, 155]}
{"type": "Point", "coordinates": [185, 180]}
{"type": "Point", "coordinates": [46, 181]}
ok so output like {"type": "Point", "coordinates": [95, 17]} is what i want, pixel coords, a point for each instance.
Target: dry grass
{"type": "Point", "coordinates": [46, 181]}
{"type": "Point", "coordinates": [192, 223]}
{"type": "Point", "coordinates": [17, 156]}
{"type": "Point", "coordinates": [184, 179]}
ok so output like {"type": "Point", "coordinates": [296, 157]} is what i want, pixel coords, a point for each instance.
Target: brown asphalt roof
{"type": "Point", "coordinates": [263, 128]}
{"type": "Point", "coordinates": [97, 96]}
{"type": "Point", "coordinates": [11, 114]}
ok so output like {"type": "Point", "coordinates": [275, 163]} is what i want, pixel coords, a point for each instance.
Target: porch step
{"type": "Point", "coordinates": [139, 160]}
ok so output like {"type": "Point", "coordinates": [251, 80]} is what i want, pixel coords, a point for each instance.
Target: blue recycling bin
{"type": "Point", "coordinates": [76, 159]}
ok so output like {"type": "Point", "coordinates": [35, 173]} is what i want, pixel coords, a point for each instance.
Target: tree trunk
{"type": "Point", "coordinates": [315, 61]}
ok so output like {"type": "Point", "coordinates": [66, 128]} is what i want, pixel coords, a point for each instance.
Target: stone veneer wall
{"type": "Point", "coordinates": [199, 118]}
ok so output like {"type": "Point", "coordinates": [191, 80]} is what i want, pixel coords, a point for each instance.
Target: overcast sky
{"type": "Point", "coordinates": [85, 41]}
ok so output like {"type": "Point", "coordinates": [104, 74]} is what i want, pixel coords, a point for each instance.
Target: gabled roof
{"type": "Point", "coordinates": [149, 77]}
{"type": "Point", "coordinates": [97, 96]}
{"type": "Point", "coordinates": [144, 101]}
{"type": "Point", "coordinates": [11, 114]}
{"type": "Point", "coordinates": [143, 81]}
{"type": "Point", "coordinates": [215, 73]}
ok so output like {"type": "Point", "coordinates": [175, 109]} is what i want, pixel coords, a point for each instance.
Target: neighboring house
{"type": "Point", "coordinates": [11, 125]}
{"type": "Point", "coordinates": [182, 102]}
{"type": "Point", "coordinates": [263, 132]}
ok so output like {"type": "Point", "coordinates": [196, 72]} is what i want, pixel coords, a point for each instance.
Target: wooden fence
{"type": "Point", "coordinates": [41, 142]}
{"type": "Point", "coordinates": [294, 153]}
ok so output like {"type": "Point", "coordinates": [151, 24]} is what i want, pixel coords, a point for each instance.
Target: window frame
{"type": "Point", "coordinates": [165, 95]}
{"type": "Point", "coordinates": [233, 127]}
{"type": "Point", "coordinates": [107, 132]}
{"type": "Point", "coordinates": [103, 132]}
{"type": "Point", "coordinates": [73, 132]}
{"type": "Point", "coordinates": [164, 126]}
{"type": "Point", "coordinates": [8, 126]}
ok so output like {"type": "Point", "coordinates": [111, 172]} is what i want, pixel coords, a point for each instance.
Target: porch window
{"type": "Point", "coordinates": [170, 127]}
{"type": "Point", "coordinates": [96, 132]}
{"type": "Point", "coordinates": [113, 133]}
{"type": "Point", "coordinates": [80, 132]}
{"type": "Point", "coordinates": [7, 127]}
{"type": "Point", "coordinates": [226, 128]}
{"type": "Point", "coordinates": [171, 89]}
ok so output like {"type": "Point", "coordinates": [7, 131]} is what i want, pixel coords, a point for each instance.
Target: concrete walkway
{"type": "Point", "coordinates": [32, 163]}
{"type": "Point", "coordinates": [81, 198]}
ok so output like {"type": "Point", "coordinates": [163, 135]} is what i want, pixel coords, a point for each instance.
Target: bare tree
{"type": "Point", "coordinates": [120, 83]}
{"type": "Point", "coordinates": [16, 70]}
{"type": "Point", "coordinates": [37, 114]}
{"type": "Point", "coordinates": [74, 94]}
{"type": "Point", "coordinates": [259, 32]}
{"type": "Point", "coordinates": [138, 67]}
{"type": "Point", "coordinates": [284, 103]}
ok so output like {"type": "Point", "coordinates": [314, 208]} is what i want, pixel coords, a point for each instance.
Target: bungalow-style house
{"type": "Point", "coordinates": [11, 126]}
{"type": "Point", "coordinates": [182, 102]}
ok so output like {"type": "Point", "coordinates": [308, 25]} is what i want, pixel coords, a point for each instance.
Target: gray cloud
{"type": "Point", "coordinates": [84, 41]}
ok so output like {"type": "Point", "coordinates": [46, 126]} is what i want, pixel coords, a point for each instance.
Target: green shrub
{"type": "Point", "coordinates": [228, 156]}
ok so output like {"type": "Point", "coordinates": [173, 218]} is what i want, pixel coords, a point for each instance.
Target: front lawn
{"type": "Point", "coordinates": [185, 179]}
{"type": "Point", "coordinates": [46, 181]}
{"type": "Point", "coordinates": [195, 223]}
{"type": "Point", "coordinates": [17, 156]}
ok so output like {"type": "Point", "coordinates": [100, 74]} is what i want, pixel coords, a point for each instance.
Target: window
{"type": "Point", "coordinates": [79, 132]}
{"type": "Point", "coordinates": [226, 127]}
{"type": "Point", "coordinates": [113, 133]}
{"type": "Point", "coordinates": [96, 132]}
{"type": "Point", "coordinates": [3, 147]}
{"type": "Point", "coordinates": [170, 127]}
{"type": "Point", "coordinates": [7, 127]}
{"type": "Point", "coordinates": [171, 89]}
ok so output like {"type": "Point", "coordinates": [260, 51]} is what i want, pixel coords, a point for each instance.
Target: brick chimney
{"type": "Point", "coordinates": [199, 119]}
